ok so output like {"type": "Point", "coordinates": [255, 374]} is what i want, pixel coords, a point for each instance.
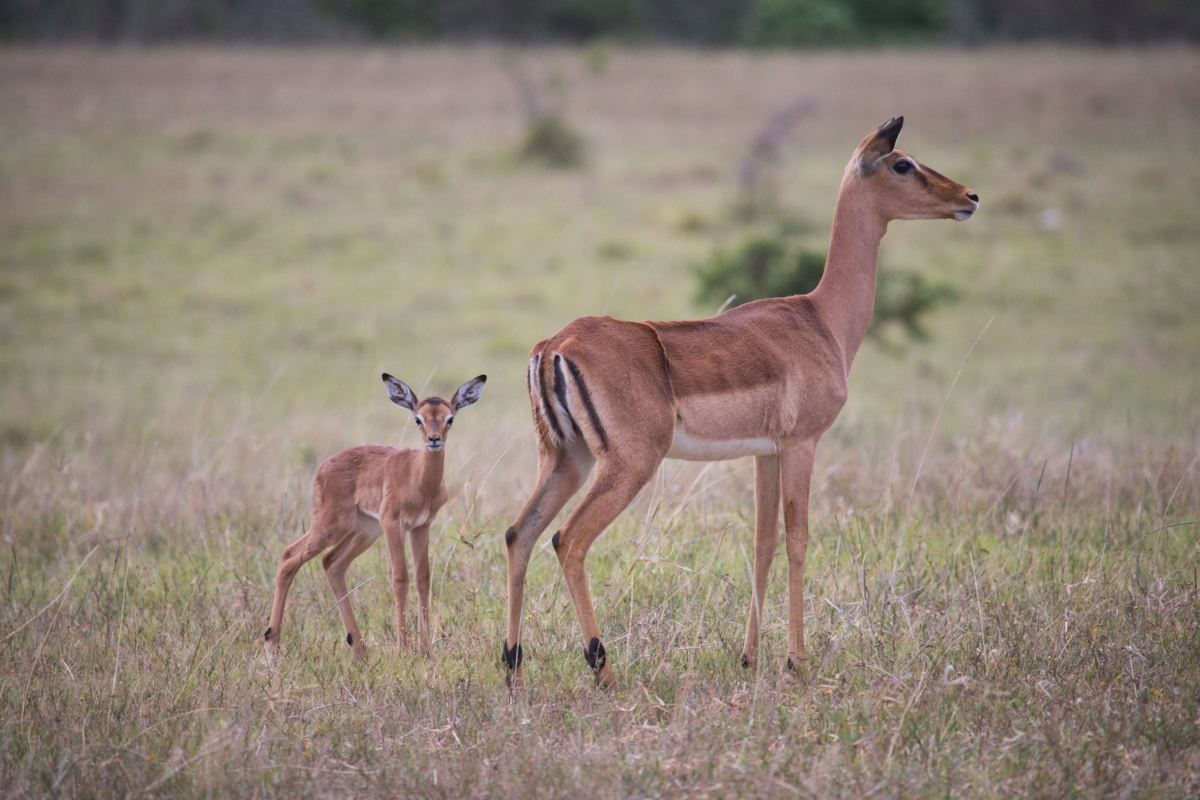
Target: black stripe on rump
{"type": "Point", "coordinates": [533, 362]}
{"type": "Point", "coordinates": [587, 403]}
{"type": "Point", "coordinates": [560, 389]}
{"type": "Point", "coordinates": [549, 412]}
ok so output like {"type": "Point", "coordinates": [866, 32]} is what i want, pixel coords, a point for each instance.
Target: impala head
{"type": "Point", "coordinates": [434, 415]}
{"type": "Point", "coordinates": [902, 188]}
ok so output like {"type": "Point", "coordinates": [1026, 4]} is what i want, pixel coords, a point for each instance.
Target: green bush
{"type": "Point", "coordinates": [769, 265]}
{"type": "Point", "coordinates": [553, 142]}
{"type": "Point", "coordinates": [800, 22]}
{"type": "Point", "coordinates": [831, 22]}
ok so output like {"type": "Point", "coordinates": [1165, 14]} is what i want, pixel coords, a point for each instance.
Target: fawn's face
{"type": "Point", "coordinates": [434, 415]}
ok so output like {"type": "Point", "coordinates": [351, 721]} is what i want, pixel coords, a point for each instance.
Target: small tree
{"type": "Point", "coordinates": [549, 138]}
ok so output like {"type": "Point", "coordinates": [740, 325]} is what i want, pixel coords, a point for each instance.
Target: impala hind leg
{"type": "Point", "coordinates": [323, 534]}
{"type": "Point", "coordinates": [560, 474]}
{"type": "Point", "coordinates": [796, 463]}
{"type": "Point", "coordinates": [335, 563]}
{"type": "Point", "coordinates": [617, 483]}
{"type": "Point", "coordinates": [766, 539]}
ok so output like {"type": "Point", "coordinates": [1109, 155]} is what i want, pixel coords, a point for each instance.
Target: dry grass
{"type": "Point", "coordinates": [206, 257]}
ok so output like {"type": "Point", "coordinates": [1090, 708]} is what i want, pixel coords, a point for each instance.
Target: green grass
{"type": "Point", "coordinates": [208, 257]}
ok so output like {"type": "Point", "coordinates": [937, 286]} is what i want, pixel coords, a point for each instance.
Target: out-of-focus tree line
{"type": "Point", "coordinates": [701, 22]}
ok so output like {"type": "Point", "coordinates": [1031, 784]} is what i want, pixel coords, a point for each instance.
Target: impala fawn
{"type": "Point", "coordinates": [364, 492]}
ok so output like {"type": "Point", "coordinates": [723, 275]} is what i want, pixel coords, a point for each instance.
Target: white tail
{"type": "Point", "coordinates": [766, 379]}
{"type": "Point", "coordinates": [364, 492]}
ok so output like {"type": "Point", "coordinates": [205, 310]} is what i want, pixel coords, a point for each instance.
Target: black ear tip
{"type": "Point", "coordinates": [387, 377]}
{"type": "Point", "coordinates": [482, 379]}
{"type": "Point", "coordinates": [890, 130]}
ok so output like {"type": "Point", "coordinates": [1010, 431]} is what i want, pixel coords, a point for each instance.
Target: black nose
{"type": "Point", "coordinates": [974, 198]}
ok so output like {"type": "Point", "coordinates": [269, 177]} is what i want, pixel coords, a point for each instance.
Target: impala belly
{"type": "Point", "coordinates": [368, 523]}
{"type": "Point", "coordinates": [690, 448]}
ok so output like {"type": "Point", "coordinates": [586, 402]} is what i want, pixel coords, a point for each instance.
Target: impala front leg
{"type": "Point", "coordinates": [766, 539]}
{"type": "Point", "coordinates": [419, 538]}
{"type": "Point", "coordinates": [795, 476]}
{"type": "Point", "coordinates": [394, 534]}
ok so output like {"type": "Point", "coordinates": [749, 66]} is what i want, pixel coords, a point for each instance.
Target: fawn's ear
{"type": "Point", "coordinates": [468, 393]}
{"type": "Point", "coordinates": [399, 392]}
{"type": "Point", "coordinates": [877, 144]}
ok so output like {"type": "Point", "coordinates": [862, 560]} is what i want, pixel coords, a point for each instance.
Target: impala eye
{"type": "Point", "coordinates": [418, 420]}
{"type": "Point", "coordinates": [902, 167]}
{"type": "Point", "coordinates": [449, 421]}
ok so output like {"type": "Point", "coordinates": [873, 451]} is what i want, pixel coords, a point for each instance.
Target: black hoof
{"type": "Point", "coordinates": [512, 658]}
{"type": "Point", "coordinates": [745, 661]}
{"type": "Point", "coordinates": [595, 656]}
{"type": "Point", "coordinates": [268, 635]}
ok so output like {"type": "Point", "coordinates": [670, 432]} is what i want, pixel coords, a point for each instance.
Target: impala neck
{"type": "Point", "coordinates": [845, 297]}
{"type": "Point", "coordinates": [433, 465]}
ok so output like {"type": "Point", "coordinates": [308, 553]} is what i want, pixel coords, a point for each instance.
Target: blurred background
{"type": "Point", "coordinates": [693, 22]}
{"type": "Point", "coordinates": [210, 248]}
{"type": "Point", "coordinates": [221, 220]}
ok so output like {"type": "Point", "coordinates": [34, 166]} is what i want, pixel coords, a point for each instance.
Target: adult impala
{"type": "Point", "coordinates": [765, 379]}
{"type": "Point", "coordinates": [365, 492]}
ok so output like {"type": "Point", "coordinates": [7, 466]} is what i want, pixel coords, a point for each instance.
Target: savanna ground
{"type": "Point", "coordinates": [208, 256]}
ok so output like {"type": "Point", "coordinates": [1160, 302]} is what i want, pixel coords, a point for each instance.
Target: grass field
{"type": "Point", "coordinates": [208, 256]}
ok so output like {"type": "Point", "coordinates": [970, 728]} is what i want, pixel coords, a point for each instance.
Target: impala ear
{"type": "Point", "coordinates": [878, 144]}
{"type": "Point", "coordinates": [399, 393]}
{"type": "Point", "coordinates": [468, 393]}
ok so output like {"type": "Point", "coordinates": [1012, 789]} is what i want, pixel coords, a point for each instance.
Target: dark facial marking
{"type": "Point", "coordinates": [433, 401]}
{"type": "Point", "coordinates": [586, 396]}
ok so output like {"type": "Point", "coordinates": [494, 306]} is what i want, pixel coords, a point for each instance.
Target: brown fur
{"type": "Point", "coordinates": [767, 378]}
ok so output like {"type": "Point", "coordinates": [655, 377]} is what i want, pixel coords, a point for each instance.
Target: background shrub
{"type": "Point", "coordinates": [769, 265]}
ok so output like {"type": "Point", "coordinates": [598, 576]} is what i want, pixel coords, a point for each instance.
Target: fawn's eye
{"type": "Point", "coordinates": [902, 167]}
{"type": "Point", "coordinates": [449, 421]}
{"type": "Point", "coordinates": [419, 421]}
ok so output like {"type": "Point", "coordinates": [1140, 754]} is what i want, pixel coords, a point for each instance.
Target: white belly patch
{"type": "Point", "coordinates": [368, 522]}
{"type": "Point", "coordinates": [690, 448]}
